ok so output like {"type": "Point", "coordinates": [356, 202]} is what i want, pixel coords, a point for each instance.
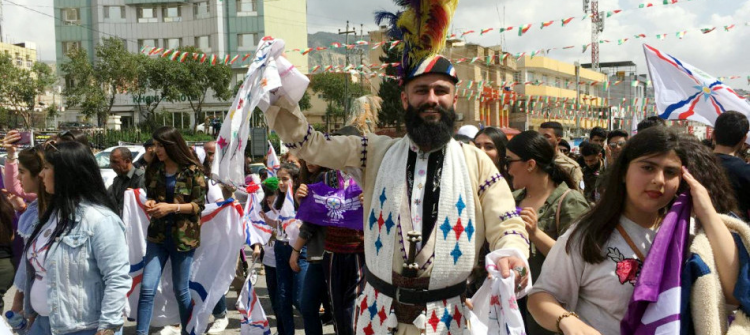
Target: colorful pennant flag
{"type": "Point", "coordinates": [708, 30]}
{"type": "Point", "coordinates": [523, 29]}
{"type": "Point", "coordinates": [484, 31]}
{"type": "Point", "coordinates": [546, 24]}
{"type": "Point", "coordinates": [566, 21]}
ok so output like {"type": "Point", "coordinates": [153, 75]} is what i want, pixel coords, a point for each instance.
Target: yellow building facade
{"type": "Point", "coordinates": [23, 54]}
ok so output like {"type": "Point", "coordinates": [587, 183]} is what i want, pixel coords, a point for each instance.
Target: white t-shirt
{"type": "Point", "coordinates": [598, 293]}
{"type": "Point", "coordinates": [37, 255]}
{"type": "Point", "coordinates": [269, 257]}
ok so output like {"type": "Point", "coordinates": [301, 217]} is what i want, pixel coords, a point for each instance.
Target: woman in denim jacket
{"type": "Point", "coordinates": [176, 192]}
{"type": "Point", "coordinates": [76, 257]}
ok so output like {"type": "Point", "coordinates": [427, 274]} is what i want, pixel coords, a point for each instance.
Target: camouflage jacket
{"type": "Point", "coordinates": [190, 187]}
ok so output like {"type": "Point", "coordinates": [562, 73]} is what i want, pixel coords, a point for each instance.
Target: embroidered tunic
{"type": "Point", "coordinates": [485, 213]}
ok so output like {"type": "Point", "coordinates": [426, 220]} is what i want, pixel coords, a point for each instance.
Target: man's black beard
{"type": "Point", "coordinates": [430, 135]}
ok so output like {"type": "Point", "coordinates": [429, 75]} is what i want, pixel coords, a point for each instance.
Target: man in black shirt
{"type": "Point", "coordinates": [121, 161]}
{"type": "Point", "coordinates": [730, 133]}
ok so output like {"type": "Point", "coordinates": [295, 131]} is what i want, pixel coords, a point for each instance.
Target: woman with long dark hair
{"type": "Point", "coordinates": [28, 182]}
{"type": "Point", "coordinates": [588, 277]}
{"type": "Point", "coordinates": [493, 141]}
{"type": "Point", "coordinates": [176, 192]}
{"type": "Point", "coordinates": [76, 258]}
{"type": "Point", "coordinates": [545, 194]}
{"type": "Point", "coordinates": [7, 270]}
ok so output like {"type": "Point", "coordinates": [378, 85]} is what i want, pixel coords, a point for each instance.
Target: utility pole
{"type": "Point", "coordinates": [346, 65]}
{"type": "Point", "coordinates": [362, 57]}
{"type": "Point", "coordinates": [1, 21]}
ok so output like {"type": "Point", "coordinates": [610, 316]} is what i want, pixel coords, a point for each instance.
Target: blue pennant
{"type": "Point", "coordinates": [383, 198]}
{"type": "Point", "coordinates": [446, 228]}
{"type": "Point", "coordinates": [456, 253]}
{"type": "Point", "coordinates": [389, 223]}
{"type": "Point", "coordinates": [460, 205]}
{"type": "Point", "coordinates": [469, 230]}
{"type": "Point", "coordinates": [373, 219]}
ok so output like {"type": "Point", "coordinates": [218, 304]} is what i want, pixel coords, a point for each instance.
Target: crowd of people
{"type": "Point", "coordinates": [574, 230]}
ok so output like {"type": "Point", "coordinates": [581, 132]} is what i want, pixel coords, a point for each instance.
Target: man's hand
{"type": "Point", "coordinates": [506, 264]}
{"type": "Point", "coordinates": [294, 261]}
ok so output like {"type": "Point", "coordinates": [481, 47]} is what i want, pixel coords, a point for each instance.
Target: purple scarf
{"type": "Point", "coordinates": [656, 298]}
{"type": "Point", "coordinates": [334, 207]}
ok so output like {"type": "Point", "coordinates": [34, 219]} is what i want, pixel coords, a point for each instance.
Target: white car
{"type": "Point", "coordinates": [102, 159]}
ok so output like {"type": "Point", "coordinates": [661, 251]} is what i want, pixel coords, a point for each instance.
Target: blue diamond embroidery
{"type": "Point", "coordinates": [447, 319]}
{"type": "Point", "coordinates": [373, 219]}
{"type": "Point", "coordinates": [460, 205]}
{"type": "Point", "coordinates": [389, 223]}
{"type": "Point", "coordinates": [378, 245]}
{"type": "Point", "coordinates": [373, 309]}
{"type": "Point", "coordinates": [456, 253]}
{"type": "Point", "coordinates": [383, 198]}
{"type": "Point", "coordinates": [446, 228]}
{"type": "Point", "coordinates": [469, 230]}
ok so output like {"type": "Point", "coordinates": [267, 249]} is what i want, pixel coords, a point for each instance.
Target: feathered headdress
{"type": "Point", "coordinates": [423, 27]}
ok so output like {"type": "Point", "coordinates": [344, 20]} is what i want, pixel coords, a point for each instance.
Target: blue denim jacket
{"type": "Point", "coordinates": [26, 224]}
{"type": "Point", "coordinates": [87, 274]}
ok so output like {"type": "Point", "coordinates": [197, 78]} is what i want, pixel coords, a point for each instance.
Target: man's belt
{"type": "Point", "coordinates": [410, 296]}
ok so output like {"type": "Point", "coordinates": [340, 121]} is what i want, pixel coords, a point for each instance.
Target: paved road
{"type": "Point", "coordinates": [234, 316]}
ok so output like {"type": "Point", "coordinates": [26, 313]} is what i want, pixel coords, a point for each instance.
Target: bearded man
{"type": "Point", "coordinates": [430, 203]}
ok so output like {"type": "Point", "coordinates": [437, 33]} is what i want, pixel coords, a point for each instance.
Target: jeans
{"type": "Point", "coordinates": [345, 278]}
{"type": "Point", "coordinates": [7, 273]}
{"type": "Point", "coordinates": [289, 285]}
{"type": "Point", "coordinates": [220, 310]}
{"type": "Point", "coordinates": [157, 255]}
{"type": "Point", "coordinates": [313, 293]}
{"type": "Point", "coordinates": [41, 327]}
{"type": "Point", "coordinates": [272, 295]}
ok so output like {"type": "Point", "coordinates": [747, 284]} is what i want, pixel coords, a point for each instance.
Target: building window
{"type": "Point", "coordinates": [172, 13]}
{"type": "Point", "coordinates": [518, 77]}
{"type": "Point", "coordinates": [172, 43]}
{"type": "Point", "coordinates": [247, 7]}
{"type": "Point", "coordinates": [146, 14]}
{"type": "Point", "coordinates": [544, 80]}
{"type": "Point", "coordinates": [150, 43]}
{"type": "Point", "coordinates": [558, 83]}
{"type": "Point", "coordinates": [246, 42]}
{"type": "Point", "coordinates": [201, 10]}
{"type": "Point", "coordinates": [69, 46]}
{"type": "Point", "coordinates": [71, 15]}
{"type": "Point", "coordinates": [203, 43]}
{"type": "Point", "coordinates": [114, 13]}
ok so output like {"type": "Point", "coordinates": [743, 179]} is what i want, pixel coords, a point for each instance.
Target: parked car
{"type": "Point", "coordinates": [102, 158]}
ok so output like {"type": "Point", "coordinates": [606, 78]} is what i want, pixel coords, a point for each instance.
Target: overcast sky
{"type": "Point", "coordinates": [719, 53]}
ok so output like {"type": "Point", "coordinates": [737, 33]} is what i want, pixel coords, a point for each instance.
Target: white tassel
{"type": "Point", "coordinates": [392, 321]}
{"type": "Point", "coordinates": [421, 321]}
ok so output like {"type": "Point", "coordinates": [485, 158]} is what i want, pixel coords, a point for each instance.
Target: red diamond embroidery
{"type": "Point", "coordinates": [363, 306]}
{"type": "Point", "coordinates": [382, 315]}
{"type": "Point", "coordinates": [380, 221]}
{"type": "Point", "coordinates": [457, 316]}
{"type": "Point", "coordinates": [494, 300]}
{"type": "Point", "coordinates": [368, 330]}
{"type": "Point", "coordinates": [458, 228]}
{"type": "Point", "coordinates": [434, 321]}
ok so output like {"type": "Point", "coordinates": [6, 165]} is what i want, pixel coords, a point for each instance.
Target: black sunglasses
{"type": "Point", "coordinates": [509, 160]}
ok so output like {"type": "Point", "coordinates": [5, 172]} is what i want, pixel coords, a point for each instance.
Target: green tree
{"type": "Point", "coordinates": [304, 103]}
{"type": "Point", "coordinates": [196, 78]}
{"type": "Point", "coordinates": [93, 87]}
{"type": "Point", "coordinates": [392, 111]}
{"type": "Point", "coordinates": [21, 87]}
{"type": "Point", "coordinates": [155, 82]}
{"type": "Point", "coordinates": [331, 86]}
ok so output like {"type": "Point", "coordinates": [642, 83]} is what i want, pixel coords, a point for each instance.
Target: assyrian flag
{"type": "Point", "coordinates": [254, 320]}
{"type": "Point", "coordinates": [523, 29]}
{"type": "Point", "coordinates": [272, 161]}
{"type": "Point", "coordinates": [287, 217]}
{"type": "Point", "coordinates": [213, 267]}
{"type": "Point", "coordinates": [683, 92]}
{"type": "Point", "coordinates": [256, 229]}
{"type": "Point", "coordinates": [655, 305]}
{"type": "Point", "coordinates": [262, 77]}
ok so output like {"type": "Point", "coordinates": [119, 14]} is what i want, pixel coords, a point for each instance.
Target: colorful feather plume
{"type": "Point", "coordinates": [423, 27]}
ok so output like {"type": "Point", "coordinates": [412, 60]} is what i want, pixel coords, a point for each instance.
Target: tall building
{"type": "Point", "coordinates": [219, 27]}
{"type": "Point", "coordinates": [23, 54]}
{"type": "Point", "coordinates": [556, 82]}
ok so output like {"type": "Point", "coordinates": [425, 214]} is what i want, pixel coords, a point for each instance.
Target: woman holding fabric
{"type": "Point", "coordinates": [76, 257]}
{"type": "Point", "coordinates": [589, 276]}
{"type": "Point", "coordinates": [176, 192]}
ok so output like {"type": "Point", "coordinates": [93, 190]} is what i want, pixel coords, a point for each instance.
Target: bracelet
{"type": "Point", "coordinates": [178, 209]}
{"type": "Point", "coordinates": [295, 250]}
{"type": "Point", "coordinates": [563, 316]}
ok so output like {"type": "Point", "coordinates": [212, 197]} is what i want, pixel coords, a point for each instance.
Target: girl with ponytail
{"type": "Point", "coordinates": [547, 199]}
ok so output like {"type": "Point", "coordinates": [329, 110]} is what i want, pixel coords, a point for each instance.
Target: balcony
{"type": "Point", "coordinates": [153, 2]}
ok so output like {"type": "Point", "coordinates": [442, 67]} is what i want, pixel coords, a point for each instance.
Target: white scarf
{"type": "Point", "coordinates": [452, 240]}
